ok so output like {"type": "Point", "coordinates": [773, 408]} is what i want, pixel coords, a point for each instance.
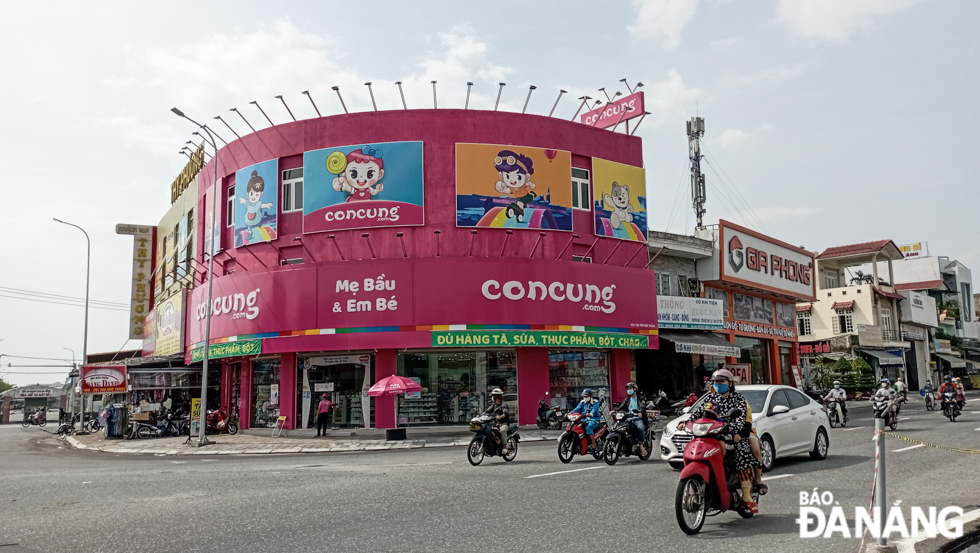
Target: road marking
{"type": "Point", "coordinates": [975, 429]}
{"type": "Point", "coordinates": [908, 448]}
{"type": "Point", "coordinates": [86, 482]}
{"type": "Point", "coordinates": [562, 472]}
{"type": "Point", "coordinates": [904, 419]}
{"type": "Point", "coordinates": [777, 477]}
{"type": "Point", "coordinates": [854, 428]}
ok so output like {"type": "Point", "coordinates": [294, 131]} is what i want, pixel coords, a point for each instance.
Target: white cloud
{"type": "Point", "coordinates": [769, 76]}
{"type": "Point", "coordinates": [834, 20]}
{"type": "Point", "coordinates": [670, 97]}
{"type": "Point", "coordinates": [733, 138]}
{"type": "Point", "coordinates": [724, 42]}
{"type": "Point", "coordinates": [776, 215]}
{"type": "Point", "coordinates": [662, 20]}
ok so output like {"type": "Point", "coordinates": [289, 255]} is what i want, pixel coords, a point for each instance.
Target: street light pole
{"type": "Point", "coordinates": [202, 439]}
{"type": "Point", "coordinates": [71, 376]}
{"type": "Point", "coordinates": [88, 266]}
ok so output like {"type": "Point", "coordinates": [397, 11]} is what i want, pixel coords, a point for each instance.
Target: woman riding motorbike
{"type": "Point", "coordinates": [589, 407]}
{"type": "Point", "coordinates": [633, 405]}
{"type": "Point", "coordinates": [498, 410]}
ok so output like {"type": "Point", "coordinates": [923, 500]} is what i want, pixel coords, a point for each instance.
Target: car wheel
{"type": "Point", "coordinates": [821, 445]}
{"type": "Point", "coordinates": [768, 451]}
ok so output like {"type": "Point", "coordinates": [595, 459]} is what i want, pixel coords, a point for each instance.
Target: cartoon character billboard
{"type": "Point", "coordinates": [513, 187]}
{"type": "Point", "coordinates": [209, 234]}
{"type": "Point", "coordinates": [620, 200]}
{"type": "Point", "coordinates": [363, 186]}
{"type": "Point", "coordinates": [256, 203]}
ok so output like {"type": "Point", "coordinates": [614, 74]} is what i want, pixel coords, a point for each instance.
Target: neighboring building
{"type": "Point", "coordinates": [690, 344]}
{"type": "Point", "coordinates": [323, 289]}
{"type": "Point", "coordinates": [855, 314]}
{"type": "Point", "coordinates": [919, 322]}
{"type": "Point", "coordinates": [759, 280]}
{"type": "Point", "coordinates": [945, 280]}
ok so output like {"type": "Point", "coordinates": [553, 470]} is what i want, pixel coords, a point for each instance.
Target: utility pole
{"type": "Point", "coordinates": [695, 130]}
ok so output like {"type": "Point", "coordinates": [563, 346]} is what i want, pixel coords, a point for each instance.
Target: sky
{"type": "Point", "coordinates": [828, 122]}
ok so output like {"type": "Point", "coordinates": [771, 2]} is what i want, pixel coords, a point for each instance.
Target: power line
{"type": "Point", "coordinates": [48, 295]}
{"type": "Point", "coordinates": [677, 197]}
{"type": "Point", "coordinates": [735, 188]}
{"type": "Point", "coordinates": [64, 303]}
{"type": "Point", "coordinates": [41, 358]}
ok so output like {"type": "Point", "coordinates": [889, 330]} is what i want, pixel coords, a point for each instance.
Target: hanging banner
{"type": "Point", "coordinates": [212, 239]}
{"type": "Point", "coordinates": [449, 339]}
{"type": "Point", "coordinates": [256, 203]}
{"type": "Point", "coordinates": [139, 299]}
{"type": "Point", "coordinates": [620, 194]}
{"type": "Point", "coordinates": [170, 325]}
{"type": "Point", "coordinates": [104, 379]}
{"type": "Point", "coordinates": [228, 349]}
{"type": "Point", "coordinates": [513, 187]}
{"type": "Point", "coordinates": [363, 186]}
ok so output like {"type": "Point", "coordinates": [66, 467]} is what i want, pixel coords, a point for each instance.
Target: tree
{"type": "Point", "coordinates": [861, 278]}
{"type": "Point", "coordinates": [4, 386]}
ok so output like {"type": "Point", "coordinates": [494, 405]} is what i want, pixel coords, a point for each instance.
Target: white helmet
{"type": "Point", "coordinates": [723, 374]}
{"type": "Point", "coordinates": [497, 392]}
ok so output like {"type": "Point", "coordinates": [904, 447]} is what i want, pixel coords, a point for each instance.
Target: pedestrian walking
{"type": "Point", "coordinates": [321, 418]}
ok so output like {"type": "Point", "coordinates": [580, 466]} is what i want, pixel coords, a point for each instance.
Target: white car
{"type": "Point", "coordinates": [786, 421]}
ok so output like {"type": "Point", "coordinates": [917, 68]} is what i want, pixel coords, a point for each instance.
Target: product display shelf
{"type": "Point", "coordinates": [356, 414]}
{"type": "Point", "coordinates": [421, 410]}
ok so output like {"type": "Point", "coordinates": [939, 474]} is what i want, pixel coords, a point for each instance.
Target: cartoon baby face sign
{"type": "Point", "coordinates": [620, 200]}
{"type": "Point", "coordinates": [256, 211]}
{"type": "Point", "coordinates": [513, 187]}
{"type": "Point", "coordinates": [363, 186]}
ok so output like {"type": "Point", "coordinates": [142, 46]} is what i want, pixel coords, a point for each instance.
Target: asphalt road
{"type": "Point", "coordinates": [57, 499]}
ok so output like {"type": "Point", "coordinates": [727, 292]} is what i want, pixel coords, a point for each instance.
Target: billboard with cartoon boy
{"type": "Point", "coordinates": [363, 186]}
{"type": "Point", "coordinates": [256, 203]}
{"type": "Point", "coordinates": [513, 187]}
{"type": "Point", "coordinates": [619, 192]}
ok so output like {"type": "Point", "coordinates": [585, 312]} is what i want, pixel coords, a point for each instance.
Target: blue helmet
{"type": "Point", "coordinates": [587, 392]}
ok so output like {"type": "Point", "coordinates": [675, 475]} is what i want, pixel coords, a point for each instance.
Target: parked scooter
{"type": "Point", "coordinates": [549, 417]}
{"type": "Point", "coordinates": [219, 423]}
{"type": "Point", "coordinates": [38, 418]}
{"type": "Point", "coordinates": [146, 430]}
{"type": "Point", "coordinates": [486, 441]}
{"type": "Point", "coordinates": [178, 423]}
{"type": "Point", "coordinates": [835, 412]}
{"type": "Point", "coordinates": [621, 440]}
{"type": "Point", "coordinates": [950, 405]}
{"type": "Point", "coordinates": [887, 407]}
{"type": "Point", "coordinates": [704, 484]}
{"type": "Point", "coordinates": [574, 440]}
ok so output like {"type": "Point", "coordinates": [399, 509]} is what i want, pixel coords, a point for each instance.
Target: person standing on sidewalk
{"type": "Point", "coordinates": [321, 418]}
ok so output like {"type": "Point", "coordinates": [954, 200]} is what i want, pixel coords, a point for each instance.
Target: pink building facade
{"type": "Point", "coordinates": [533, 307]}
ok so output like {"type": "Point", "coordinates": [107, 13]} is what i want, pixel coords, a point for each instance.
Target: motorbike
{"type": "Point", "coordinates": [485, 442]}
{"type": "Point", "coordinates": [835, 412]}
{"type": "Point", "coordinates": [706, 484]}
{"type": "Point", "coordinates": [887, 407]}
{"type": "Point", "coordinates": [177, 423]}
{"type": "Point", "coordinates": [930, 400]}
{"type": "Point", "coordinates": [950, 405]}
{"type": "Point", "coordinates": [36, 419]}
{"type": "Point", "coordinates": [549, 417]}
{"type": "Point", "coordinates": [574, 440]}
{"type": "Point", "coordinates": [621, 440]}
{"type": "Point", "coordinates": [146, 430]}
{"type": "Point", "coordinates": [219, 423]}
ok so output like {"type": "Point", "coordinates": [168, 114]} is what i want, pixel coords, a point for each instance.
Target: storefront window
{"type": "Point", "coordinates": [571, 372]}
{"type": "Point", "coordinates": [172, 388]}
{"type": "Point", "coordinates": [345, 379]}
{"type": "Point", "coordinates": [455, 385]}
{"type": "Point", "coordinates": [785, 364]}
{"type": "Point", "coordinates": [753, 309]}
{"type": "Point", "coordinates": [756, 353]}
{"type": "Point", "coordinates": [265, 393]}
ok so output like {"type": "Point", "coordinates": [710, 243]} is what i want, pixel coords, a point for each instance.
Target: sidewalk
{"type": "Point", "coordinates": [295, 441]}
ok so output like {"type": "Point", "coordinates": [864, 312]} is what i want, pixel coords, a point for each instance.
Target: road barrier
{"type": "Point", "coordinates": [975, 451]}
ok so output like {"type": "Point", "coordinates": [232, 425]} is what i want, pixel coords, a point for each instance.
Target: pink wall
{"type": "Point", "coordinates": [533, 382]}
{"type": "Point", "coordinates": [287, 389]}
{"type": "Point", "coordinates": [245, 395]}
{"type": "Point", "coordinates": [385, 365]}
{"type": "Point", "coordinates": [619, 373]}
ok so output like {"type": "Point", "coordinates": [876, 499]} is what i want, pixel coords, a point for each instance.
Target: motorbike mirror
{"type": "Point", "coordinates": [780, 409]}
{"type": "Point", "coordinates": [733, 414]}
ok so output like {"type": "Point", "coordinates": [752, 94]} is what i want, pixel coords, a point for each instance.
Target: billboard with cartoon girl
{"type": "Point", "coordinates": [363, 186]}
{"type": "Point", "coordinates": [256, 203]}
{"type": "Point", "coordinates": [619, 192]}
{"type": "Point", "coordinates": [513, 187]}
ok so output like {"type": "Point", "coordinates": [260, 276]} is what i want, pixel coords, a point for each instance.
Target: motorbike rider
{"type": "Point", "coordinates": [960, 391]}
{"type": "Point", "coordinates": [950, 385]}
{"type": "Point", "coordinates": [589, 408]}
{"type": "Point", "coordinates": [721, 399]}
{"type": "Point", "coordinates": [633, 405]}
{"type": "Point", "coordinates": [901, 388]}
{"type": "Point", "coordinates": [838, 394]}
{"type": "Point", "coordinates": [498, 410]}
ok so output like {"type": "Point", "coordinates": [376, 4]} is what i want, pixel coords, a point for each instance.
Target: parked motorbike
{"type": "Point", "coordinates": [621, 440]}
{"type": "Point", "coordinates": [549, 417]}
{"type": "Point", "coordinates": [485, 442]}
{"type": "Point", "coordinates": [950, 405]}
{"type": "Point", "coordinates": [574, 440]}
{"type": "Point", "coordinates": [887, 407]}
{"type": "Point", "coordinates": [835, 412]}
{"type": "Point", "coordinates": [38, 418]}
{"type": "Point", "coordinates": [146, 430]}
{"type": "Point", "coordinates": [706, 484]}
{"type": "Point", "coordinates": [219, 423]}
{"type": "Point", "coordinates": [178, 423]}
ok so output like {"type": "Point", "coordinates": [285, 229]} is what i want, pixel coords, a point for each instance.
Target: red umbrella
{"type": "Point", "coordinates": [394, 385]}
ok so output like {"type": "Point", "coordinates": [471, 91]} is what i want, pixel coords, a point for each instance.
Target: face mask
{"type": "Point", "coordinates": [721, 388]}
{"type": "Point", "coordinates": [836, 385]}
{"type": "Point", "coordinates": [629, 392]}
{"type": "Point", "coordinates": [586, 399]}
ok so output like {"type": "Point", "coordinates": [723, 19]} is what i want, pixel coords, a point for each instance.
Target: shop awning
{"type": "Point", "coordinates": [806, 307]}
{"type": "Point", "coordinates": [885, 359]}
{"type": "Point", "coordinates": [843, 304]}
{"type": "Point", "coordinates": [703, 343]}
{"type": "Point", "coordinates": [954, 362]}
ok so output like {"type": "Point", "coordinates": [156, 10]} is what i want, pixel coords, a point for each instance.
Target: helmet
{"type": "Point", "coordinates": [957, 379]}
{"type": "Point", "coordinates": [587, 392]}
{"type": "Point", "coordinates": [885, 380]}
{"type": "Point", "coordinates": [949, 378]}
{"type": "Point", "coordinates": [899, 379]}
{"type": "Point", "coordinates": [497, 392]}
{"type": "Point", "coordinates": [836, 382]}
{"type": "Point", "coordinates": [631, 385]}
{"type": "Point", "coordinates": [723, 374]}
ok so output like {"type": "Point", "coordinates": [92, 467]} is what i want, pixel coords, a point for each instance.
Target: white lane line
{"type": "Point", "coordinates": [854, 428]}
{"type": "Point", "coordinates": [908, 448]}
{"type": "Point", "coordinates": [975, 429]}
{"type": "Point", "coordinates": [904, 419]}
{"type": "Point", "coordinates": [562, 472]}
{"type": "Point", "coordinates": [777, 477]}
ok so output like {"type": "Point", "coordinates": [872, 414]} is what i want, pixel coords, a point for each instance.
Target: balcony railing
{"type": "Point", "coordinates": [892, 336]}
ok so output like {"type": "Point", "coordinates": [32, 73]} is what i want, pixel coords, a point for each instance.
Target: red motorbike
{"type": "Point", "coordinates": [219, 423]}
{"type": "Point", "coordinates": [706, 484]}
{"type": "Point", "coordinates": [574, 440]}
